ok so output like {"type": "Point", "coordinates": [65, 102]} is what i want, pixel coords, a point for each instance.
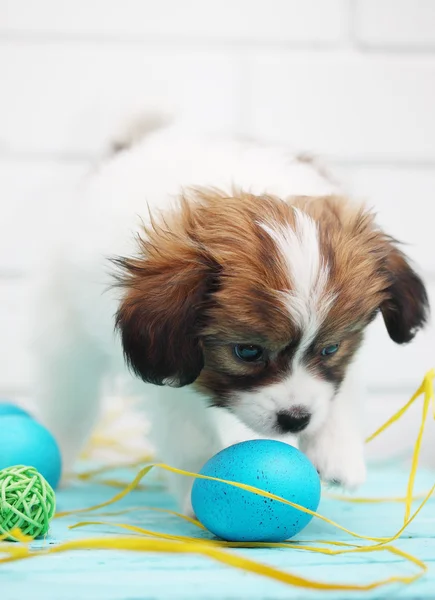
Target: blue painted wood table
{"type": "Point", "coordinates": [121, 575]}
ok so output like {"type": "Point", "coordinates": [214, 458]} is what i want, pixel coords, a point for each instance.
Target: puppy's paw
{"type": "Point", "coordinates": [339, 461]}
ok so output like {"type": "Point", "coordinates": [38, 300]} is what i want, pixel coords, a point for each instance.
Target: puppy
{"type": "Point", "coordinates": [240, 286]}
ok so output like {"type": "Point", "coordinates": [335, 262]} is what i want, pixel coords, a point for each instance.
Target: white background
{"type": "Point", "coordinates": [351, 81]}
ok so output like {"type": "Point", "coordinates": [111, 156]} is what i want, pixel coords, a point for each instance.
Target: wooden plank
{"type": "Point", "coordinates": [114, 575]}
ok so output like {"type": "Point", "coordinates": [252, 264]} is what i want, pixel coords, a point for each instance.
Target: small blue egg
{"type": "Point", "coordinates": [237, 515]}
{"type": "Point", "coordinates": [24, 441]}
{"type": "Point", "coordinates": [11, 409]}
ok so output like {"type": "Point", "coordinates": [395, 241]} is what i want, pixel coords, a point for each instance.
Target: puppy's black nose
{"type": "Point", "coordinates": [292, 421]}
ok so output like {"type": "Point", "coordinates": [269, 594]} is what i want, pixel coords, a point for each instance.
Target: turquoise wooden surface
{"type": "Point", "coordinates": [116, 575]}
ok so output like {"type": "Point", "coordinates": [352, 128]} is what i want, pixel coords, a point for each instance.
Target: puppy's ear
{"type": "Point", "coordinates": [167, 291]}
{"type": "Point", "coordinates": [406, 308]}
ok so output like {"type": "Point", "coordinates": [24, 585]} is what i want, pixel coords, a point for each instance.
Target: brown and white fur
{"type": "Point", "coordinates": [237, 272]}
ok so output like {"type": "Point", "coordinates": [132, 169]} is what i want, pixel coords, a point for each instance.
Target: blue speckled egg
{"type": "Point", "coordinates": [237, 515]}
{"type": "Point", "coordinates": [23, 441]}
{"type": "Point", "coordinates": [11, 409]}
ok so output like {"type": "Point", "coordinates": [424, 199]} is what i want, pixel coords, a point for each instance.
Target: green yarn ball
{"type": "Point", "coordinates": [27, 502]}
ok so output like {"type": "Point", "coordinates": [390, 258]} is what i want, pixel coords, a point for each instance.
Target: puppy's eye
{"type": "Point", "coordinates": [329, 350]}
{"type": "Point", "coordinates": [248, 352]}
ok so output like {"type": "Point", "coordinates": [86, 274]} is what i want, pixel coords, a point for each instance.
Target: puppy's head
{"type": "Point", "coordinates": [262, 303]}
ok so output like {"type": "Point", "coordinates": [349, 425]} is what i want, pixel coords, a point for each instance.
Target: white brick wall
{"type": "Point", "coordinates": [223, 21]}
{"type": "Point", "coordinates": [353, 80]}
{"type": "Point", "coordinates": [395, 24]}
{"type": "Point", "coordinates": [347, 105]}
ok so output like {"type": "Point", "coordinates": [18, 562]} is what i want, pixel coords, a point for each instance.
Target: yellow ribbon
{"type": "Point", "coordinates": [216, 549]}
